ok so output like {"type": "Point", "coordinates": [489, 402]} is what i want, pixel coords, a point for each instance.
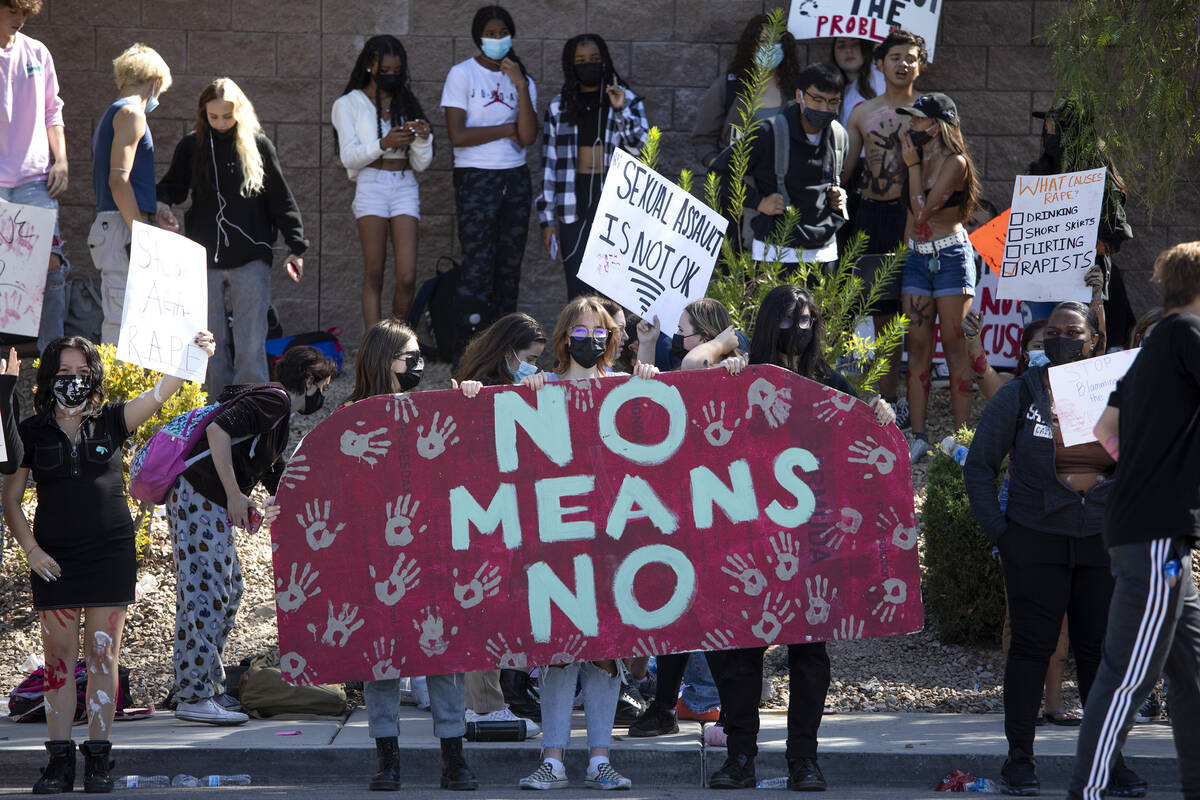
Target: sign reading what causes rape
{"type": "Point", "coordinates": [26, 236]}
{"type": "Point", "coordinates": [652, 246]}
{"type": "Point", "coordinates": [865, 19]}
{"type": "Point", "coordinates": [166, 303]}
{"type": "Point", "coordinates": [431, 533]}
{"type": "Point", "coordinates": [1051, 240]}
{"type": "Point", "coordinates": [1081, 391]}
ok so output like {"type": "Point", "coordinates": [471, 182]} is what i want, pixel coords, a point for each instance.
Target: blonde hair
{"type": "Point", "coordinates": [140, 64]}
{"type": "Point", "coordinates": [224, 89]}
{"type": "Point", "coordinates": [709, 317]}
{"type": "Point", "coordinates": [568, 318]}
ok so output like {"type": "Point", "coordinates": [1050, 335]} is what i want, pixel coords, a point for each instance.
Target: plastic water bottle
{"type": "Point", "coordinates": [983, 786]}
{"type": "Point", "coordinates": [185, 782]}
{"type": "Point", "coordinates": [142, 782]}
{"type": "Point", "coordinates": [225, 780]}
{"type": "Point", "coordinates": [145, 585]}
{"type": "Point", "coordinates": [957, 451]}
{"type": "Point", "coordinates": [772, 783]}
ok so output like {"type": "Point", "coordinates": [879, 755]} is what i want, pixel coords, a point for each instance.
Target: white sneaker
{"type": "Point", "coordinates": [506, 715]}
{"type": "Point", "coordinates": [546, 777]}
{"type": "Point", "coordinates": [605, 777]}
{"type": "Point", "coordinates": [917, 450]}
{"type": "Point", "coordinates": [210, 711]}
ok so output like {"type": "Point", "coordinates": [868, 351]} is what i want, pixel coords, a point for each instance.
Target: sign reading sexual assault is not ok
{"type": "Point", "coordinates": [430, 533]}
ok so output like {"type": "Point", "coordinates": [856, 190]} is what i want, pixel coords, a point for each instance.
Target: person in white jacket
{"type": "Point", "coordinates": [383, 138]}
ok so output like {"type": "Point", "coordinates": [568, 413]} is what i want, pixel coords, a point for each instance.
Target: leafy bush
{"type": "Point", "coordinates": [964, 590]}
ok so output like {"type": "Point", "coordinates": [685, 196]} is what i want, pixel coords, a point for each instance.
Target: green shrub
{"type": "Point", "coordinates": [964, 591]}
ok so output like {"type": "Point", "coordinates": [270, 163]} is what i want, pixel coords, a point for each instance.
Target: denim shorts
{"type": "Point", "coordinates": [387, 194]}
{"type": "Point", "coordinates": [955, 272]}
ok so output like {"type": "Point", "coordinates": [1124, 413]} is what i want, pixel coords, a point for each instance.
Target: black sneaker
{"type": "Point", "coordinates": [1151, 710]}
{"type": "Point", "coordinates": [736, 773]}
{"type": "Point", "coordinates": [1124, 782]}
{"type": "Point", "coordinates": [805, 776]}
{"type": "Point", "coordinates": [655, 721]}
{"type": "Point", "coordinates": [901, 409]}
{"type": "Point", "coordinates": [630, 706]}
{"type": "Point", "coordinates": [1018, 776]}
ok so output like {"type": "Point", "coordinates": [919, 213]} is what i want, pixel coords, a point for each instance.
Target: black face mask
{"type": "Point", "coordinates": [793, 340]}
{"type": "Point", "coordinates": [819, 119]}
{"type": "Point", "coordinates": [1061, 350]}
{"type": "Point", "coordinates": [678, 351]}
{"type": "Point", "coordinates": [389, 84]}
{"type": "Point", "coordinates": [411, 376]}
{"type": "Point", "coordinates": [590, 73]}
{"type": "Point", "coordinates": [920, 138]}
{"type": "Point", "coordinates": [586, 352]}
{"type": "Point", "coordinates": [71, 391]}
{"type": "Point", "coordinates": [313, 402]}
{"type": "Point", "coordinates": [225, 135]}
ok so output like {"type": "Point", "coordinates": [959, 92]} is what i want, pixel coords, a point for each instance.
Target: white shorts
{"type": "Point", "coordinates": [381, 193]}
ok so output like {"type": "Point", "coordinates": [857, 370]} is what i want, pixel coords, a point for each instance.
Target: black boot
{"type": "Point", "coordinates": [656, 720]}
{"type": "Point", "coordinates": [1019, 774]}
{"type": "Point", "coordinates": [455, 772]}
{"type": "Point", "coordinates": [736, 773]}
{"type": "Point", "coordinates": [97, 767]}
{"type": "Point", "coordinates": [59, 774]}
{"type": "Point", "coordinates": [1124, 782]}
{"type": "Point", "coordinates": [515, 685]}
{"type": "Point", "coordinates": [805, 776]}
{"type": "Point", "coordinates": [387, 750]}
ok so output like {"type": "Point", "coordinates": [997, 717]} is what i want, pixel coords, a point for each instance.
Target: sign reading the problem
{"type": "Point", "coordinates": [430, 533]}
{"type": "Point", "coordinates": [1051, 240]}
{"type": "Point", "coordinates": [26, 236]}
{"type": "Point", "coordinates": [166, 303]}
{"type": "Point", "coordinates": [1081, 391]}
{"type": "Point", "coordinates": [865, 19]}
{"type": "Point", "coordinates": [652, 246]}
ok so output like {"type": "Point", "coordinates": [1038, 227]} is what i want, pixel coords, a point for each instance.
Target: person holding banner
{"type": "Point", "coordinates": [81, 550]}
{"type": "Point", "coordinates": [789, 333]}
{"type": "Point", "coordinates": [490, 103]}
{"type": "Point", "coordinates": [123, 175]}
{"type": "Point", "coordinates": [593, 115]}
{"type": "Point", "coordinates": [240, 204]}
{"type": "Point", "coordinates": [10, 371]}
{"type": "Point", "coordinates": [1048, 536]}
{"type": "Point", "coordinates": [33, 167]}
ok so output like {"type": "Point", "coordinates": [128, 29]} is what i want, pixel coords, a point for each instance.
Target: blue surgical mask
{"type": "Point", "coordinates": [769, 55]}
{"type": "Point", "coordinates": [524, 369]}
{"type": "Point", "coordinates": [495, 49]}
{"type": "Point", "coordinates": [1038, 358]}
{"type": "Point", "coordinates": [152, 103]}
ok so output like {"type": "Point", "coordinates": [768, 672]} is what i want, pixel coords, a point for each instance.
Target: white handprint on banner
{"type": "Point", "coordinates": [295, 669]}
{"type": "Point", "coordinates": [401, 517]}
{"type": "Point", "coordinates": [382, 666]}
{"type": "Point", "coordinates": [819, 598]}
{"type": "Point", "coordinates": [873, 455]}
{"type": "Point", "coordinates": [713, 424]}
{"type": "Point", "coordinates": [775, 615]}
{"type": "Point", "coordinates": [745, 570]}
{"type": "Point", "coordinates": [895, 592]}
{"type": "Point", "coordinates": [506, 657]}
{"type": "Point", "coordinates": [787, 554]}
{"type": "Point", "coordinates": [402, 579]}
{"type": "Point", "coordinates": [834, 407]}
{"type": "Point", "coordinates": [316, 527]}
{"type": "Point", "coordinates": [298, 590]}
{"type": "Point", "coordinates": [365, 446]}
{"type": "Point", "coordinates": [649, 647]}
{"type": "Point", "coordinates": [570, 650]}
{"type": "Point", "coordinates": [903, 536]}
{"type": "Point", "coordinates": [717, 639]}
{"type": "Point", "coordinates": [846, 629]}
{"type": "Point", "coordinates": [402, 407]}
{"type": "Point", "coordinates": [296, 471]}
{"type": "Point", "coordinates": [775, 403]}
{"type": "Point", "coordinates": [581, 394]}
{"type": "Point", "coordinates": [341, 625]}
{"type": "Point", "coordinates": [847, 525]}
{"type": "Point", "coordinates": [431, 629]}
{"type": "Point", "coordinates": [433, 444]}
{"type": "Point", "coordinates": [485, 583]}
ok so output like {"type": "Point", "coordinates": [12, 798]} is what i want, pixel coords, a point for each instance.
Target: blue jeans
{"type": "Point", "coordinates": [954, 275]}
{"type": "Point", "coordinates": [54, 302]}
{"type": "Point", "coordinates": [600, 693]}
{"type": "Point", "coordinates": [249, 288]}
{"type": "Point", "coordinates": [699, 688]}
{"type": "Point", "coordinates": [447, 699]}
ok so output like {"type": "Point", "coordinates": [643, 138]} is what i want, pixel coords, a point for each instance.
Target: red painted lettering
{"type": "Point", "coordinates": [822, 21]}
{"type": "Point", "coordinates": [835, 26]}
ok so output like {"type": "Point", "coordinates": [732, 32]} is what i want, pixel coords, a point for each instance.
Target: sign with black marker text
{"type": "Point", "coordinates": [865, 19]}
{"type": "Point", "coordinates": [1081, 391]}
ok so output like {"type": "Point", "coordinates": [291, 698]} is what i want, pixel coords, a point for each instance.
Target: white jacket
{"type": "Point", "coordinates": [359, 131]}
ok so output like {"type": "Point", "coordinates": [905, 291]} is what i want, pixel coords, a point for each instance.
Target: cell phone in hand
{"type": "Point", "coordinates": [254, 519]}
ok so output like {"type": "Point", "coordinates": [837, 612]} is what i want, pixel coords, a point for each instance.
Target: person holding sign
{"type": "Point", "coordinates": [81, 550]}
{"type": "Point", "coordinates": [490, 104]}
{"type": "Point", "coordinates": [938, 282]}
{"type": "Point", "coordinates": [383, 139]}
{"type": "Point", "coordinates": [10, 370]}
{"type": "Point", "coordinates": [1048, 536]}
{"type": "Point", "coordinates": [123, 175]}
{"type": "Point", "coordinates": [240, 204]}
{"type": "Point", "coordinates": [591, 117]}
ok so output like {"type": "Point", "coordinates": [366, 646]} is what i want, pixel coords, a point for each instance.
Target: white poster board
{"type": "Point", "coordinates": [865, 19]}
{"type": "Point", "coordinates": [26, 236]}
{"type": "Point", "coordinates": [166, 304]}
{"type": "Point", "coordinates": [652, 246]}
{"type": "Point", "coordinates": [1051, 239]}
{"type": "Point", "coordinates": [1081, 391]}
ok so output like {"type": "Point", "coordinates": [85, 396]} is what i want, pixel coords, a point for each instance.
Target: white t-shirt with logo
{"type": "Point", "coordinates": [489, 98]}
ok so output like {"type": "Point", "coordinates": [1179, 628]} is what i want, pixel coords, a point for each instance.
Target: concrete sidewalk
{"type": "Point", "coordinates": [862, 749]}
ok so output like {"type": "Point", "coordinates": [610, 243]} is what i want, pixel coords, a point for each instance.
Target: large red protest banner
{"type": "Point", "coordinates": [431, 533]}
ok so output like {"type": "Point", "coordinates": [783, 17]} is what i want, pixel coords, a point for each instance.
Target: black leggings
{"type": "Point", "coordinates": [493, 223]}
{"type": "Point", "coordinates": [574, 235]}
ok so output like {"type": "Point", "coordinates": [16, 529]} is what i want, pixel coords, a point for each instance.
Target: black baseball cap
{"type": "Point", "coordinates": [934, 105]}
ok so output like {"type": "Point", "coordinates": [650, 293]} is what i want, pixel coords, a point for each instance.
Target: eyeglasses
{"type": "Point", "coordinates": [822, 103]}
{"type": "Point", "coordinates": [804, 322]}
{"type": "Point", "coordinates": [581, 332]}
{"type": "Point", "coordinates": [411, 360]}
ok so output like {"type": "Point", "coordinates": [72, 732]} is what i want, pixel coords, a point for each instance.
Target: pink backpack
{"type": "Point", "coordinates": [158, 462]}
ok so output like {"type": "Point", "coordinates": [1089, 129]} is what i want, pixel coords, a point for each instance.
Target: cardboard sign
{"type": "Point", "coordinates": [988, 240]}
{"type": "Point", "coordinates": [430, 533]}
{"type": "Point", "coordinates": [865, 19]}
{"type": "Point", "coordinates": [166, 304]}
{"type": "Point", "coordinates": [1051, 240]}
{"type": "Point", "coordinates": [652, 246]}
{"type": "Point", "coordinates": [26, 236]}
{"type": "Point", "coordinates": [1081, 391]}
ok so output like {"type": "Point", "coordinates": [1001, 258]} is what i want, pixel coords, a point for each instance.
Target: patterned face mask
{"type": "Point", "coordinates": [71, 391]}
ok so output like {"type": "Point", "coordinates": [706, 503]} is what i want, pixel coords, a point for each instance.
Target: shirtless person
{"type": "Point", "coordinates": [874, 128]}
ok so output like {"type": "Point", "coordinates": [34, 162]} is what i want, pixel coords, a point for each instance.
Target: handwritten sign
{"type": "Point", "coordinates": [430, 533]}
{"type": "Point", "coordinates": [1081, 391]}
{"type": "Point", "coordinates": [166, 303]}
{"type": "Point", "coordinates": [1051, 240]}
{"type": "Point", "coordinates": [653, 246]}
{"type": "Point", "coordinates": [26, 236]}
{"type": "Point", "coordinates": [865, 19]}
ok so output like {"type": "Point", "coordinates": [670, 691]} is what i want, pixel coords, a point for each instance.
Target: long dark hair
{"type": "Point", "coordinates": [382, 342]}
{"type": "Point", "coordinates": [405, 106]}
{"type": "Point", "coordinates": [863, 81]}
{"type": "Point", "coordinates": [486, 357]}
{"type": "Point", "coordinates": [952, 137]}
{"type": "Point", "coordinates": [43, 396]}
{"type": "Point", "coordinates": [570, 104]}
{"type": "Point", "coordinates": [786, 302]}
{"type": "Point", "coordinates": [485, 15]}
{"type": "Point", "coordinates": [788, 71]}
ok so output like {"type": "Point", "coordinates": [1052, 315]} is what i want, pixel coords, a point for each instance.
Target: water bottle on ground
{"type": "Point", "coordinates": [982, 786]}
{"type": "Point", "coordinates": [952, 448]}
{"type": "Point", "coordinates": [225, 780]}
{"type": "Point", "coordinates": [142, 782]}
{"type": "Point", "coordinates": [772, 783]}
{"type": "Point", "coordinates": [185, 782]}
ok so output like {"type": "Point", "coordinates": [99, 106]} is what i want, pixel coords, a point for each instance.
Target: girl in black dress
{"type": "Point", "coordinates": [82, 560]}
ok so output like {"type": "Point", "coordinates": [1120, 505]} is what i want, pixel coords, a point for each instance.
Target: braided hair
{"type": "Point", "coordinates": [405, 105]}
{"type": "Point", "coordinates": [571, 103]}
{"type": "Point", "coordinates": [485, 15]}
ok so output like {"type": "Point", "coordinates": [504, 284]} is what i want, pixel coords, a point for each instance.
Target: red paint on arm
{"type": "Point", "coordinates": [979, 364]}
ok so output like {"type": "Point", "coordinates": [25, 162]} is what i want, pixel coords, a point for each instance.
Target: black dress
{"type": "Point", "coordinates": [82, 519]}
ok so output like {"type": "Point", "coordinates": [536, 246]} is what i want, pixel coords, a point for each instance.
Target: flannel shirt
{"type": "Point", "coordinates": [626, 127]}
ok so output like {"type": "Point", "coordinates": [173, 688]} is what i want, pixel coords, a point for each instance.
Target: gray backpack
{"type": "Point", "coordinates": [781, 132]}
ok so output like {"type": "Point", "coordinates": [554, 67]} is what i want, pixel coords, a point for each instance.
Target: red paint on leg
{"type": "Point", "coordinates": [65, 617]}
{"type": "Point", "coordinates": [979, 365]}
{"type": "Point", "coordinates": [112, 623]}
{"type": "Point", "coordinates": [965, 386]}
{"type": "Point", "coordinates": [56, 674]}
{"type": "Point", "coordinates": [926, 381]}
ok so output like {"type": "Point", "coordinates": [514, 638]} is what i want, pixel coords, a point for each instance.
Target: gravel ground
{"type": "Point", "coordinates": [909, 673]}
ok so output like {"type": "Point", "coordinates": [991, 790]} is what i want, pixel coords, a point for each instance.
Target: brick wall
{"type": "Point", "coordinates": [293, 57]}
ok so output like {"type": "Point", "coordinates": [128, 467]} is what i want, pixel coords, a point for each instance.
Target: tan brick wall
{"type": "Point", "coordinates": [293, 58]}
